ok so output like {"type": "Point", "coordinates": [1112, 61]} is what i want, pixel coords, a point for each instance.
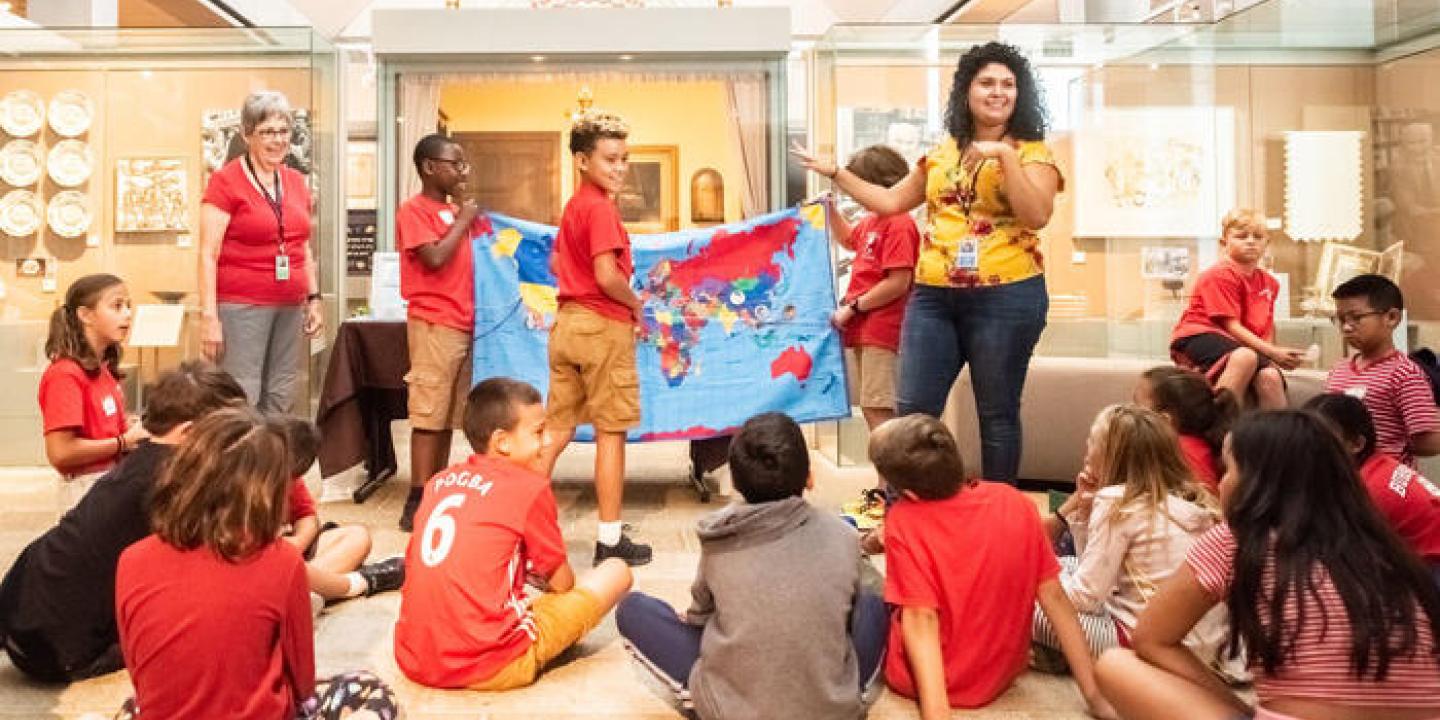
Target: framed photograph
{"type": "Point", "coordinates": [1164, 263]}
{"type": "Point", "coordinates": [1154, 171]}
{"type": "Point", "coordinates": [650, 200]}
{"type": "Point", "coordinates": [1391, 262]}
{"type": "Point", "coordinates": [360, 174]}
{"type": "Point", "coordinates": [150, 194]}
{"type": "Point", "coordinates": [1338, 263]}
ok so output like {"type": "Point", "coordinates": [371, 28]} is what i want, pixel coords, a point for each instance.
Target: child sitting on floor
{"type": "Point", "coordinates": [333, 553]}
{"type": "Point", "coordinates": [213, 608]}
{"type": "Point", "coordinates": [1406, 498]}
{"type": "Point", "coordinates": [481, 527]}
{"type": "Point", "coordinates": [1135, 513]}
{"type": "Point", "coordinates": [1200, 415]}
{"type": "Point", "coordinates": [968, 559]}
{"type": "Point", "coordinates": [1338, 618]}
{"type": "Point", "coordinates": [779, 625]}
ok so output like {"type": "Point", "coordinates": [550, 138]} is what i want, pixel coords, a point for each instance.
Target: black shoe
{"type": "Point", "coordinates": [407, 515]}
{"type": "Point", "coordinates": [631, 552]}
{"type": "Point", "coordinates": [383, 576]}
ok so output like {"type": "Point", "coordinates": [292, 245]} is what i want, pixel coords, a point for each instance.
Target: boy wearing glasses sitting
{"type": "Point", "coordinates": [1394, 389]}
{"type": "Point", "coordinates": [437, 280]}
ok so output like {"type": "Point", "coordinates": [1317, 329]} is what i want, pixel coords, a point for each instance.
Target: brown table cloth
{"type": "Point", "coordinates": [364, 391]}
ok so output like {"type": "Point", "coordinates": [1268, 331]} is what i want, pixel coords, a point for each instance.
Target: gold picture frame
{"type": "Point", "coordinates": [650, 200]}
{"type": "Point", "coordinates": [1338, 263]}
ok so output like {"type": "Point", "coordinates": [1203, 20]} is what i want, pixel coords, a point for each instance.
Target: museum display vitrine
{"type": "Point", "coordinates": [1319, 115]}
{"type": "Point", "coordinates": [107, 138]}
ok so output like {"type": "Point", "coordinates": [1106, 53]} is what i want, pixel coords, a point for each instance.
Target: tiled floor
{"type": "Point", "coordinates": [596, 680]}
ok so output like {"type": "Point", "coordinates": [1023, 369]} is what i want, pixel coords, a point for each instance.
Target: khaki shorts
{"type": "Point", "coordinates": [561, 619]}
{"type": "Point", "coordinates": [592, 372]}
{"type": "Point", "coordinates": [872, 376]}
{"type": "Point", "coordinates": [439, 377]}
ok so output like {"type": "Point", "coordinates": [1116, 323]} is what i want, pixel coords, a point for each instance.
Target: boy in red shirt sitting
{"type": "Point", "coordinates": [968, 559]}
{"type": "Point", "coordinates": [483, 526]}
{"type": "Point", "coordinates": [1228, 329]}
{"type": "Point", "coordinates": [1393, 387]}
{"type": "Point", "coordinates": [437, 281]}
{"type": "Point", "coordinates": [592, 345]}
{"type": "Point", "coordinates": [1406, 498]}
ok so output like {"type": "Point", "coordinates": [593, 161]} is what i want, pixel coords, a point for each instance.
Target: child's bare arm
{"type": "Point", "coordinates": [1057, 608]}
{"type": "Point", "coordinates": [840, 229]}
{"type": "Point", "coordinates": [920, 632]}
{"type": "Point", "coordinates": [305, 531]}
{"type": "Point", "coordinates": [562, 580]}
{"type": "Point", "coordinates": [1287, 358]}
{"type": "Point", "coordinates": [1426, 444]}
{"type": "Point", "coordinates": [1160, 633]}
{"type": "Point", "coordinates": [434, 255]}
{"type": "Point", "coordinates": [614, 284]}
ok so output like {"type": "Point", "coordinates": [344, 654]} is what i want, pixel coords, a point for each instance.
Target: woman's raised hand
{"type": "Point", "coordinates": [812, 162]}
{"type": "Point", "coordinates": [992, 148]}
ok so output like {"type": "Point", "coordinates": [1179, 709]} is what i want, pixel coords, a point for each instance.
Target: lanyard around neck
{"type": "Point", "coordinates": [276, 201]}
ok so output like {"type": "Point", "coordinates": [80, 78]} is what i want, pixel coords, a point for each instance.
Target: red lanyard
{"type": "Point", "coordinates": [276, 202]}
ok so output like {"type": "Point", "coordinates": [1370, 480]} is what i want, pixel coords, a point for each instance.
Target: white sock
{"type": "Point", "coordinates": [609, 533]}
{"type": "Point", "coordinates": [358, 584]}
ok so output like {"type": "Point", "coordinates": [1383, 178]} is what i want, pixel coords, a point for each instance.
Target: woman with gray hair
{"type": "Point", "coordinates": [259, 287]}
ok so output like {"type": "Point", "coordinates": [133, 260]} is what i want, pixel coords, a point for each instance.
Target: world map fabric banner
{"type": "Point", "coordinates": [736, 320]}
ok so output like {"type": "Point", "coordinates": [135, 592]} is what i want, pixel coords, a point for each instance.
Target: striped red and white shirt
{"type": "Point", "coordinates": [1398, 396]}
{"type": "Point", "coordinates": [1320, 667]}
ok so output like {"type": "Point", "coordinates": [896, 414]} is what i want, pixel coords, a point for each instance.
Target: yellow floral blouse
{"type": "Point", "coordinates": [1005, 252]}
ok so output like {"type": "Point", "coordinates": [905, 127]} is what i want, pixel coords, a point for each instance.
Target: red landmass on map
{"type": "Point", "coordinates": [732, 256]}
{"type": "Point", "coordinates": [793, 360]}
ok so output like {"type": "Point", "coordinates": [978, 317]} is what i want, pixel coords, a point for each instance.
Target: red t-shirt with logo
{"type": "Point", "coordinates": [445, 296]}
{"type": "Point", "coordinates": [590, 227]}
{"type": "Point", "coordinates": [977, 558]}
{"type": "Point", "coordinates": [92, 405]}
{"type": "Point", "coordinates": [1226, 291]}
{"type": "Point", "coordinates": [463, 611]}
{"type": "Point", "coordinates": [207, 638]}
{"type": "Point", "coordinates": [1201, 460]}
{"type": "Point", "coordinates": [881, 244]}
{"type": "Point", "coordinates": [1408, 500]}
{"type": "Point", "coordinates": [245, 272]}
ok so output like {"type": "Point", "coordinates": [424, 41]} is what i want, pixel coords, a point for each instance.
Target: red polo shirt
{"type": "Point", "coordinates": [245, 272]}
{"type": "Point", "coordinates": [590, 227]}
{"type": "Point", "coordinates": [444, 296]}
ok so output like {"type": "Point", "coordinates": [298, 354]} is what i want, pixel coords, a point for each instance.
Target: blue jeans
{"type": "Point", "coordinates": [994, 329]}
{"type": "Point", "coordinates": [670, 647]}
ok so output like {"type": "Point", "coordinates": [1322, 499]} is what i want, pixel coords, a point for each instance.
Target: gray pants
{"type": "Point", "coordinates": [263, 351]}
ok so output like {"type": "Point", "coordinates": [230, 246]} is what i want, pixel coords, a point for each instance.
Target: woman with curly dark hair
{"type": "Point", "coordinates": [980, 295]}
{"type": "Point", "coordinates": [1338, 618]}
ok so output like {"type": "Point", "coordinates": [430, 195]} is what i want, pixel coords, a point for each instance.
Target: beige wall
{"type": "Point", "coordinates": [694, 116]}
{"type": "Point", "coordinates": [137, 114]}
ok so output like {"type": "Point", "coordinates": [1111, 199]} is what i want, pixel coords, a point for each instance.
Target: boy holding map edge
{"type": "Point", "coordinates": [592, 344]}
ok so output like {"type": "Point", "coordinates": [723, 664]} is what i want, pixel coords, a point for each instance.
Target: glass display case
{"type": "Point", "coordinates": [107, 137]}
{"type": "Point", "coordinates": [1320, 117]}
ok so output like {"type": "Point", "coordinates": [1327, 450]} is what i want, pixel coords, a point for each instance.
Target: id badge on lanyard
{"type": "Point", "coordinates": [967, 254]}
{"type": "Point", "coordinates": [277, 206]}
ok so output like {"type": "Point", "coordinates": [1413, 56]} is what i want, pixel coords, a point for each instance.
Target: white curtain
{"type": "Point", "coordinates": [419, 112]}
{"type": "Point", "coordinates": [749, 125]}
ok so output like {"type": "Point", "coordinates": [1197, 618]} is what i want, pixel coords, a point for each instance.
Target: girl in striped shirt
{"type": "Point", "coordinates": [1339, 618]}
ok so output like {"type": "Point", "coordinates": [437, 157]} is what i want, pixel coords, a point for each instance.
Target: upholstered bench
{"type": "Point", "coordinates": [1062, 396]}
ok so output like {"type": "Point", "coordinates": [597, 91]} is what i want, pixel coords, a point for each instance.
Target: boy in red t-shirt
{"type": "Point", "coordinates": [870, 314]}
{"type": "Point", "coordinates": [1393, 387]}
{"type": "Point", "coordinates": [484, 526]}
{"type": "Point", "coordinates": [437, 281]}
{"type": "Point", "coordinates": [1406, 498]}
{"type": "Point", "coordinates": [969, 559]}
{"type": "Point", "coordinates": [333, 553]}
{"type": "Point", "coordinates": [1227, 331]}
{"type": "Point", "coordinates": [592, 345]}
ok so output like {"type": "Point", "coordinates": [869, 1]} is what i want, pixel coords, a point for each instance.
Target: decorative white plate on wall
{"type": "Point", "coordinates": [69, 214]}
{"type": "Point", "coordinates": [70, 113]}
{"type": "Point", "coordinates": [22, 113]}
{"type": "Point", "coordinates": [20, 213]}
{"type": "Point", "coordinates": [21, 164]}
{"type": "Point", "coordinates": [69, 163]}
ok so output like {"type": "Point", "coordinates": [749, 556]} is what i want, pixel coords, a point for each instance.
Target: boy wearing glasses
{"type": "Point", "coordinates": [437, 280]}
{"type": "Point", "coordinates": [1394, 389]}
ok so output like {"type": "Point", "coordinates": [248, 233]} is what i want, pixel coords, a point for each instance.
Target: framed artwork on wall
{"type": "Point", "coordinates": [1338, 263]}
{"type": "Point", "coordinates": [150, 194]}
{"type": "Point", "coordinates": [650, 200]}
{"type": "Point", "coordinates": [1154, 171]}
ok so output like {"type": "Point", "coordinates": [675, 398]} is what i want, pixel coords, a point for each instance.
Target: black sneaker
{"type": "Point", "coordinates": [407, 515]}
{"type": "Point", "coordinates": [631, 552]}
{"type": "Point", "coordinates": [383, 576]}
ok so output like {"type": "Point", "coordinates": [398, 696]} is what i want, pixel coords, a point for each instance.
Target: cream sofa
{"type": "Point", "coordinates": [1062, 396]}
